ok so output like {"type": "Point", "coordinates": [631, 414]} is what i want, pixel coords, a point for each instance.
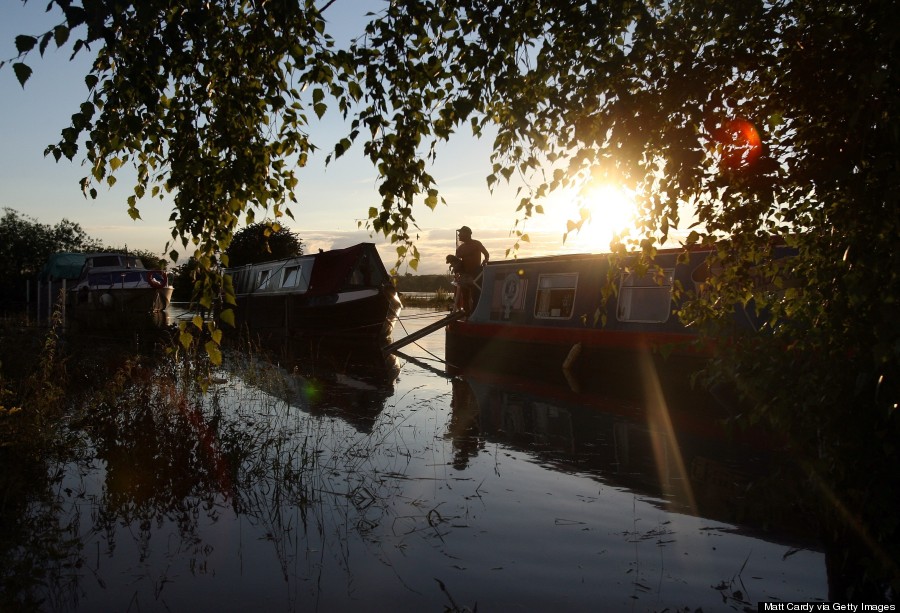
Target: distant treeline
{"type": "Point", "coordinates": [424, 283]}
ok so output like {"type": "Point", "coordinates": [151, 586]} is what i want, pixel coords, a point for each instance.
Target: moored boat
{"type": "Point", "coordinates": [341, 293]}
{"type": "Point", "coordinates": [119, 283]}
{"type": "Point", "coordinates": [547, 316]}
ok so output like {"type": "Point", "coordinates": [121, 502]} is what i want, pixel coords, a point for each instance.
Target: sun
{"type": "Point", "coordinates": [606, 210]}
{"type": "Point", "coordinates": [612, 212]}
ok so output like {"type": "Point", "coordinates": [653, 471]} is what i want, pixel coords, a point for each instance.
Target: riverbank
{"type": "Point", "coordinates": [436, 300]}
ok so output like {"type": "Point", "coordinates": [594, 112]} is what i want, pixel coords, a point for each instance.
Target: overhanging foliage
{"type": "Point", "coordinates": [737, 124]}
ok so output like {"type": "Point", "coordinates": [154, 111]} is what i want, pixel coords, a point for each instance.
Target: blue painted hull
{"type": "Point", "coordinates": [548, 317]}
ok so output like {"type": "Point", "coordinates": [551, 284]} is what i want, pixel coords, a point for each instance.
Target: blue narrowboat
{"type": "Point", "coordinates": [548, 316]}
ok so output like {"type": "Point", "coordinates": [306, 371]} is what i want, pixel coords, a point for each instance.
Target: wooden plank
{"type": "Point", "coordinates": [411, 338]}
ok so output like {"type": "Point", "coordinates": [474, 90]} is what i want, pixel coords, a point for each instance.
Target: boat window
{"type": "Point", "coordinates": [365, 273]}
{"type": "Point", "coordinates": [555, 296]}
{"type": "Point", "coordinates": [264, 278]}
{"type": "Point", "coordinates": [646, 298]}
{"type": "Point", "coordinates": [295, 276]}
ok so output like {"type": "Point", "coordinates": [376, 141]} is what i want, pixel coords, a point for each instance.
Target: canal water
{"type": "Point", "coordinates": [317, 485]}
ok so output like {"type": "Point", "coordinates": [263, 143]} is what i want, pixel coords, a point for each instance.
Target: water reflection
{"type": "Point", "coordinates": [305, 482]}
{"type": "Point", "coordinates": [699, 468]}
{"type": "Point", "coordinates": [345, 380]}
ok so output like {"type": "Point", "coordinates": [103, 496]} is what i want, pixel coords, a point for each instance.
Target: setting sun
{"type": "Point", "coordinates": [606, 211]}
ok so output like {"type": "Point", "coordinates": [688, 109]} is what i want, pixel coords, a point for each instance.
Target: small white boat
{"type": "Point", "coordinates": [117, 282]}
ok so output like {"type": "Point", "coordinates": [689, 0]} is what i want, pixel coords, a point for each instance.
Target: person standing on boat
{"type": "Point", "coordinates": [468, 253]}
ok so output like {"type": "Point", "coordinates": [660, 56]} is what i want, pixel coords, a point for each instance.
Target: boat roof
{"type": "Point", "coordinates": [102, 255]}
{"type": "Point", "coordinates": [563, 257]}
{"type": "Point", "coordinates": [62, 265]}
{"type": "Point", "coordinates": [331, 267]}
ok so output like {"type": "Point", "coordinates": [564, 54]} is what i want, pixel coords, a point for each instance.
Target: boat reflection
{"type": "Point", "coordinates": [683, 459]}
{"type": "Point", "coordinates": [349, 381]}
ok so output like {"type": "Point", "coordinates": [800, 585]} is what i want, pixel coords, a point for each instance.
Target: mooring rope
{"type": "Point", "coordinates": [416, 343]}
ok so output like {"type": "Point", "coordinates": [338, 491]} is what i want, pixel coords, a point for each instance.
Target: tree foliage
{"type": "Point", "coordinates": [736, 124]}
{"type": "Point", "coordinates": [26, 244]}
{"type": "Point", "coordinates": [262, 242]}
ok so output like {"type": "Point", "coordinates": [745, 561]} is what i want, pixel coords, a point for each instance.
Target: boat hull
{"type": "Point", "coordinates": [121, 309]}
{"type": "Point", "coordinates": [586, 360]}
{"type": "Point", "coordinates": [367, 315]}
{"type": "Point", "coordinates": [123, 300]}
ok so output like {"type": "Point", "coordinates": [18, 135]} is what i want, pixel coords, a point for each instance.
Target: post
{"type": "Point", "coordinates": [37, 311]}
{"type": "Point", "coordinates": [27, 300]}
{"type": "Point", "coordinates": [64, 300]}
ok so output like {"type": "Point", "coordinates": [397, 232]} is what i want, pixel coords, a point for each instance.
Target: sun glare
{"type": "Point", "coordinates": [611, 211]}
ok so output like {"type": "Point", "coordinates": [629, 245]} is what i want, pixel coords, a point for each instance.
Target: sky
{"type": "Point", "coordinates": [332, 199]}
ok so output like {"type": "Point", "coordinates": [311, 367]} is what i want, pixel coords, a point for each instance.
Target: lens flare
{"type": "Point", "coordinates": [739, 143]}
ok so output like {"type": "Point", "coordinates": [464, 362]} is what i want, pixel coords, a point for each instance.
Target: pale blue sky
{"type": "Point", "coordinates": [332, 199]}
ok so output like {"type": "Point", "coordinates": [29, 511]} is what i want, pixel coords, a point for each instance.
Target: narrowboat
{"type": "Point", "coordinates": [547, 316]}
{"type": "Point", "coordinates": [341, 293]}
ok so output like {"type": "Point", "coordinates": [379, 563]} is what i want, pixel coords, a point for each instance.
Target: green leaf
{"type": "Point", "coordinates": [60, 35]}
{"type": "Point", "coordinates": [186, 338]}
{"type": "Point", "coordinates": [227, 316]}
{"type": "Point", "coordinates": [214, 353]}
